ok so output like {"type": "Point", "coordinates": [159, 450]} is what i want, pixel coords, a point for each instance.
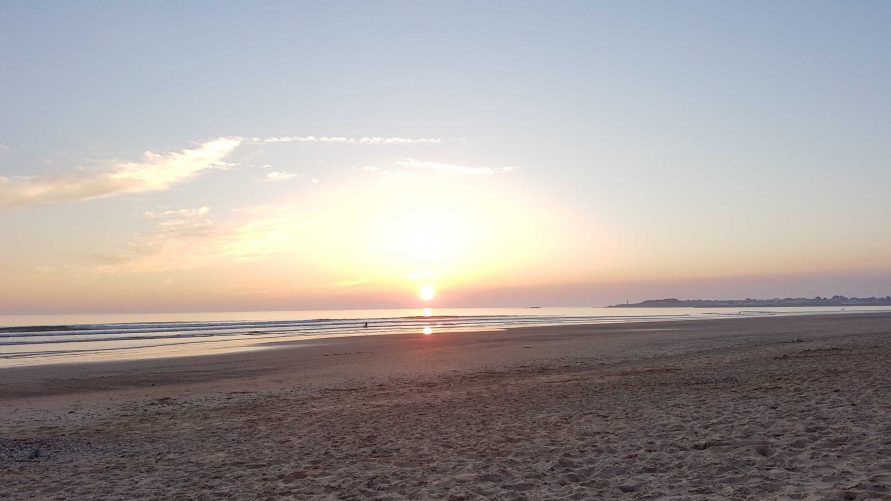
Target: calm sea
{"type": "Point", "coordinates": [42, 339]}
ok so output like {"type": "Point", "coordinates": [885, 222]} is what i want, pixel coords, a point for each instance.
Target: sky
{"type": "Point", "coordinates": [235, 156]}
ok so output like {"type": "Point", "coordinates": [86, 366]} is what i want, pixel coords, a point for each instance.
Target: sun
{"type": "Point", "coordinates": [426, 292]}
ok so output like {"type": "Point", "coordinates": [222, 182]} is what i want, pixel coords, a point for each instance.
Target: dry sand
{"type": "Point", "coordinates": [771, 408]}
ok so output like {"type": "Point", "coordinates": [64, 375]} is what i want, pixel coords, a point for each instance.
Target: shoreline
{"type": "Point", "coordinates": [241, 343]}
{"type": "Point", "coordinates": [253, 350]}
{"type": "Point", "coordinates": [318, 360]}
{"type": "Point", "coordinates": [247, 346]}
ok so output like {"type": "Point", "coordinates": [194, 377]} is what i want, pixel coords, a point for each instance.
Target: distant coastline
{"type": "Point", "coordinates": [749, 302]}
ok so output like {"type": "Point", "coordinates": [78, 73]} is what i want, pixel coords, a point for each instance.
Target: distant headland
{"type": "Point", "coordinates": [748, 302]}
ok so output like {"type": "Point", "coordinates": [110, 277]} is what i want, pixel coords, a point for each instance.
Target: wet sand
{"type": "Point", "coordinates": [756, 408]}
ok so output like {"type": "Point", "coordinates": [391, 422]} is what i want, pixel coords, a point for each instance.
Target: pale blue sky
{"type": "Point", "coordinates": [751, 138]}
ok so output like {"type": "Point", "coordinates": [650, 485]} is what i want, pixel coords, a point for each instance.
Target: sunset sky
{"type": "Point", "coordinates": [203, 156]}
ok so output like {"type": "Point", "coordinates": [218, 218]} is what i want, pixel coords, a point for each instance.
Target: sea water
{"type": "Point", "coordinates": [41, 339]}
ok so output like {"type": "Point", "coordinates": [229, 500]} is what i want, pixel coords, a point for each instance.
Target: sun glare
{"type": "Point", "coordinates": [426, 292]}
{"type": "Point", "coordinates": [428, 331]}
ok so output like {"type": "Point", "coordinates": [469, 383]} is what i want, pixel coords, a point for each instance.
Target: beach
{"type": "Point", "coordinates": [750, 408]}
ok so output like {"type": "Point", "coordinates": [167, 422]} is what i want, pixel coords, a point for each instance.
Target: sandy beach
{"type": "Point", "coordinates": [758, 408]}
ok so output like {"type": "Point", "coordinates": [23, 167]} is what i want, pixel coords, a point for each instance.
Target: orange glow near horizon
{"type": "Point", "coordinates": [411, 240]}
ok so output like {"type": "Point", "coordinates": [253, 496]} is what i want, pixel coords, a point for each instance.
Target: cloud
{"type": "Point", "coordinates": [156, 171]}
{"type": "Point", "coordinates": [180, 217]}
{"type": "Point", "coordinates": [185, 239]}
{"type": "Point", "coordinates": [348, 140]}
{"type": "Point", "coordinates": [182, 213]}
{"type": "Point", "coordinates": [277, 175]}
{"type": "Point", "coordinates": [349, 283]}
{"type": "Point", "coordinates": [458, 169]}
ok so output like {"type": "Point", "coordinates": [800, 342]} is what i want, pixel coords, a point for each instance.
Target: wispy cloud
{"type": "Point", "coordinates": [349, 283]}
{"type": "Point", "coordinates": [456, 168]}
{"type": "Point", "coordinates": [182, 213]}
{"type": "Point", "coordinates": [187, 239]}
{"type": "Point", "coordinates": [278, 175]}
{"type": "Point", "coordinates": [159, 171]}
{"type": "Point", "coordinates": [181, 218]}
{"type": "Point", "coordinates": [375, 140]}
{"type": "Point", "coordinates": [156, 171]}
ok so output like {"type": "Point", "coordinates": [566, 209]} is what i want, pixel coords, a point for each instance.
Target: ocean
{"type": "Point", "coordinates": [46, 339]}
